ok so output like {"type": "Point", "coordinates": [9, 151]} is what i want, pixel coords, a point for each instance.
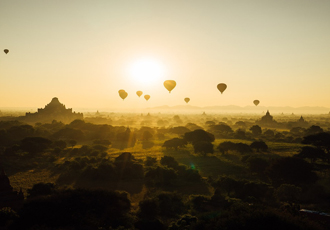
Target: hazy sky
{"type": "Point", "coordinates": [80, 51]}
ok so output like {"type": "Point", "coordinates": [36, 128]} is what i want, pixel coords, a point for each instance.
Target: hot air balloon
{"type": "Point", "coordinates": [169, 85]}
{"type": "Point", "coordinates": [121, 91]}
{"type": "Point", "coordinates": [146, 97]}
{"type": "Point", "coordinates": [256, 102]}
{"type": "Point", "coordinates": [187, 99]}
{"type": "Point", "coordinates": [222, 87]}
{"type": "Point", "coordinates": [139, 93]}
{"type": "Point", "coordinates": [6, 51]}
{"type": "Point", "coordinates": [123, 94]}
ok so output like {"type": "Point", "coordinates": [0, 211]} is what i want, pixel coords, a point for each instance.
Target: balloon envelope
{"type": "Point", "coordinates": [222, 87]}
{"type": "Point", "coordinates": [123, 95]}
{"type": "Point", "coordinates": [256, 102]}
{"type": "Point", "coordinates": [6, 50]}
{"type": "Point", "coordinates": [169, 85]}
{"type": "Point", "coordinates": [121, 91]}
{"type": "Point", "coordinates": [146, 97]}
{"type": "Point", "coordinates": [187, 99]}
{"type": "Point", "coordinates": [139, 93]}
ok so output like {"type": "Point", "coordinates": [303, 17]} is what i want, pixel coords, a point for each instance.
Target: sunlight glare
{"type": "Point", "coordinates": [146, 71]}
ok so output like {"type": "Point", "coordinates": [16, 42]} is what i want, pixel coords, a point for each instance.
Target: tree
{"type": "Point", "coordinates": [78, 209]}
{"type": "Point", "coordinates": [314, 129]}
{"type": "Point", "coordinates": [20, 132]}
{"type": "Point", "coordinates": [240, 124]}
{"type": "Point", "coordinates": [320, 140]}
{"type": "Point", "coordinates": [166, 204]}
{"type": "Point", "coordinates": [72, 143]}
{"type": "Point", "coordinates": [259, 145]}
{"type": "Point", "coordinates": [169, 162]}
{"type": "Point", "coordinates": [203, 147]}
{"type": "Point", "coordinates": [175, 143]}
{"type": "Point", "coordinates": [192, 126]}
{"type": "Point", "coordinates": [35, 144]}
{"type": "Point", "coordinates": [240, 134]}
{"type": "Point", "coordinates": [180, 130]}
{"type": "Point", "coordinates": [209, 123]}
{"type": "Point", "coordinates": [257, 165]}
{"type": "Point", "coordinates": [198, 135]}
{"type": "Point", "coordinates": [269, 133]}
{"type": "Point", "coordinates": [291, 170]}
{"type": "Point", "coordinates": [69, 134]}
{"type": "Point", "coordinates": [256, 130]}
{"type": "Point", "coordinates": [243, 148]}
{"type": "Point", "coordinates": [311, 153]}
{"type": "Point", "coordinates": [227, 184]}
{"type": "Point", "coordinates": [221, 130]}
{"type": "Point", "coordinates": [160, 176]}
{"type": "Point", "coordinates": [150, 161]}
{"type": "Point", "coordinates": [226, 146]}
{"type": "Point", "coordinates": [177, 119]}
{"type": "Point", "coordinates": [298, 131]}
{"type": "Point", "coordinates": [41, 189]}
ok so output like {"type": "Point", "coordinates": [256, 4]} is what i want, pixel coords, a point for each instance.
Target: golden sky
{"type": "Point", "coordinates": [82, 52]}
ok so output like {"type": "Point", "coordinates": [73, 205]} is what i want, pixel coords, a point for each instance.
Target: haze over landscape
{"type": "Point", "coordinates": [83, 52]}
{"type": "Point", "coordinates": [164, 115]}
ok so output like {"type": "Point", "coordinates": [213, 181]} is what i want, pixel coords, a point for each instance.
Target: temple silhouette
{"type": "Point", "coordinates": [53, 111]}
{"type": "Point", "coordinates": [267, 120]}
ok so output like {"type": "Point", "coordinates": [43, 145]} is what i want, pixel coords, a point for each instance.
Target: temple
{"type": "Point", "coordinates": [267, 120]}
{"type": "Point", "coordinates": [299, 123]}
{"type": "Point", "coordinates": [8, 197]}
{"type": "Point", "coordinates": [302, 122]}
{"type": "Point", "coordinates": [53, 111]}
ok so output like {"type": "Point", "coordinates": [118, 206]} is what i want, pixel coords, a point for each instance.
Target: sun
{"type": "Point", "coordinates": [146, 70]}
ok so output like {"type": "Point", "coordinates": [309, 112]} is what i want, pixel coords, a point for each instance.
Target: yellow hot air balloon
{"type": "Point", "coordinates": [169, 85]}
{"type": "Point", "coordinates": [139, 93]}
{"type": "Point", "coordinates": [123, 94]}
{"type": "Point", "coordinates": [147, 97]}
{"type": "Point", "coordinates": [256, 102]}
{"type": "Point", "coordinates": [187, 99]}
{"type": "Point", "coordinates": [222, 87]}
{"type": "Point", "coordinates": [6, 51]}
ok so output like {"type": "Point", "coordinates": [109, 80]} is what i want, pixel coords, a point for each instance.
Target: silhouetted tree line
{"type": "Point", "coordinates": [48, 207]}
{"type": "Point", "coordinates": [269, 197]}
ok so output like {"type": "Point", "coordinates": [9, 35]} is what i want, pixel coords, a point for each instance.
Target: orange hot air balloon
{"type": "Point", "coordinates": [256, 102]}
{"type": "Point", "coordinates": [123, 94]}
{"type": "Point", "coordinates": [169, 85]}
{"type": "Point", "coordinates": [147, 97]}
{"type": "Point", "coordinates": [222, 87]}
{"type": "Point", "coordinates": [139, 93]}
{"type": "Point", "coordinates": [187, 99]}
{"type": "Point", "coordinates": [6, 51]}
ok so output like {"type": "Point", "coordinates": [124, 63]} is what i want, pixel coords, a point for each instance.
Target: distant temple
{"type": "Point", "coordinates": [267, 120]}
{"type": "Point", "coordinates": [53, 111]}
{"type": "Point", "coordinates": [8, 197]}
{"type": "Point", "coordinates": [301, 120]}
{"type": "Point", "coordinates": [299, 123]}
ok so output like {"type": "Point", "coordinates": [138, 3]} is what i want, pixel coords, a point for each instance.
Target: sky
{"type": "Point", "coordinates": [82, 52]}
